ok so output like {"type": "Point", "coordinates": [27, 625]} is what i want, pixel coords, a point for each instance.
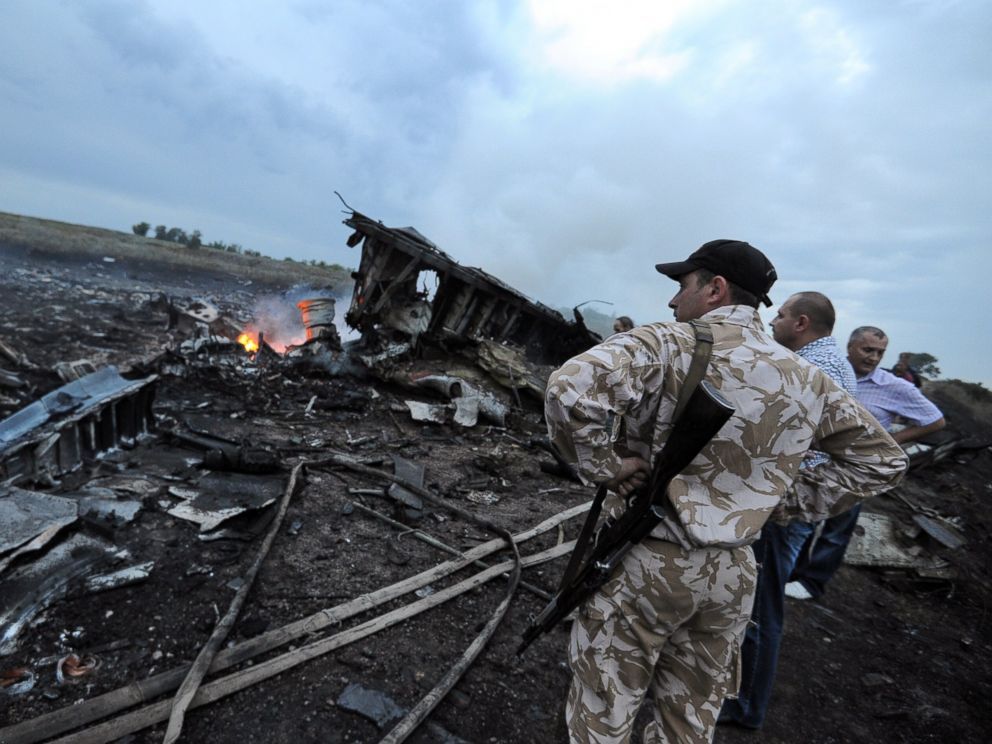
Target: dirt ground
{"type": "Point", "coordinates": [884, 656]}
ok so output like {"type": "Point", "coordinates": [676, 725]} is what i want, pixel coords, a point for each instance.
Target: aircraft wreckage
{"type": "Point", "coordinates": [166, 479]}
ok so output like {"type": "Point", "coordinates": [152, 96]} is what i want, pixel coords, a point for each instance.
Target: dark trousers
{"type": "Point", "coordinates": [783, 554]}
{"type": "Point", "coordinates": [816, 567]}
{"type": "Point", "coordinates": [775, 551]}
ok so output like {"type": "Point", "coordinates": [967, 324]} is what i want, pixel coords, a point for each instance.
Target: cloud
{"type": "Point", "coordinates": [834, 44]}
{"type": "Point", "coordinates": [609, 43]}
{"type": "Point", "coordinates": [564, 148]}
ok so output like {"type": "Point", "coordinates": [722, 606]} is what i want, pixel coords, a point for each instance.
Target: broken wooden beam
{"type": "Point", "coordinates": [86, 712]}
{"type": "Point", "coordinates": [434, 542]}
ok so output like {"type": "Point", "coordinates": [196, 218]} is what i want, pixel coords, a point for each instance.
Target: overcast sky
{"type": "Point", "coordinates": [565, 146]}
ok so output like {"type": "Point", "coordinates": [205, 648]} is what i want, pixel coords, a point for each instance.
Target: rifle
{"type": "Point", "coordinates": [704, 414]}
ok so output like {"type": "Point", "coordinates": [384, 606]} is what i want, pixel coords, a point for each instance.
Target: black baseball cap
{"type": "Point", "coordinates": [734, 260]}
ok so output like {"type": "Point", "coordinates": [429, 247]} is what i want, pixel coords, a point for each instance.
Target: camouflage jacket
{"type": "Point", "coordinates": [784, 405]}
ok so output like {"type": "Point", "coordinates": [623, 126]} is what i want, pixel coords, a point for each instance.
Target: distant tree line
{"type": "Point", "coordinates": [314, 262]}
{"type": "Point", "coordinates": [195, 240]}
{"type": "Point", "coordinates": [190, 240]}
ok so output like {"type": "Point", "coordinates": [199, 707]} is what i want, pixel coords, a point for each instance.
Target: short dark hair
{"type": "Point", "coordinates": [818, 308]}
{"type": "Point", "coordinates": [738, 295]}
{"type": "Point", "coordinates": [625, 321]}
{"type": "Point", "coordinates": [864, 330]}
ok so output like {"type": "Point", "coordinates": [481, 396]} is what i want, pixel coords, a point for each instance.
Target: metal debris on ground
{"type": "Point", "coordinates": [27, 590]}
{"type": "Point", "coordinates": [878, 541]}
{"type": "Point", "coordinates": [79, 420]}
{"type": "Point", "coordinates": [428, 412]}
{"type": "Point", "coordinates": [382, 710]}
{"type": "Point", "coordinates": [940, 530]}
{"type": "Point", "coordinates": [29, 520]}
{"type": "Point", "coordinates": [16, 681]}
{"type": "Point", "coordinates": [15, 357]}
{"type": "Point", "coordinates": [72, 667]}
{"type": "Point", "coordinates": [224, 455]}
{"type": "Point", "coordinates": [111, 512]}
{"type": "Point", "coordinates": [468, 397]}
{"type": "Point", "coordinates": [11, 380]}
{"type": "Point", "coordinates": [121, 577]}
{"type": "Point", "coordinates": [486, 498]}
{"type": "Point", "coordinates": [69, 371]}
{"type": "Point", "coordinates": [410, 472]}
{"type": "Point", "coordinates": [195, 315]}
{"type": "Point", "coordinates": [218, 497]}
{"type": "Point", "coordinates": [372, 704]}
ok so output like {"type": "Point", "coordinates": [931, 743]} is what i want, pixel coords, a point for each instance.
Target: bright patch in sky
{"type": "Point", "coordinates": [610, 42]}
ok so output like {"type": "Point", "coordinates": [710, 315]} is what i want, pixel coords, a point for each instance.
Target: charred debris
{"type": "Point", "coordinates": [170, 475]}
{"type": "Point", "coordinates": [223, 480]}
{"type": "Point", "coordinates": [468, 305]}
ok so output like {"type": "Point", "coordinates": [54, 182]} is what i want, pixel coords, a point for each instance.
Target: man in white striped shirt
{"type": "Point", "coordinates": [887, 396]}
{"type": "Point", "coordinates": [905, 413]}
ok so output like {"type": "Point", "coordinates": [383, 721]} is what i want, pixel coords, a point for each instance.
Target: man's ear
{"type": "Point", "coordinates": [719, 290]}
{"type": "Point", "coordinates": [802, 323]}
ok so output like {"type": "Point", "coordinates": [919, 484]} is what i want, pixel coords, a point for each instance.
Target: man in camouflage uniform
{"type": "Point", "coordinates": [670, 621]}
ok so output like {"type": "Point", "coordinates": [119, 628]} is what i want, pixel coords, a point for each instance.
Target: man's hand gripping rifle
{"type": "Point", "coordinates": [702, 418]}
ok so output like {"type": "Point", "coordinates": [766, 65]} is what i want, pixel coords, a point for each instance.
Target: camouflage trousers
{"type": "Point", "coordinates": [670, 622]}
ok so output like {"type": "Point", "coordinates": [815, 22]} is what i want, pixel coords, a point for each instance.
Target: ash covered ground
{"type": "Point", "coordinates": [889, 654]}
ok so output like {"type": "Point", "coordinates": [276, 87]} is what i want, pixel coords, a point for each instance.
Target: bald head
{"type": "Point", "coordinates": [818, 308]}
{"type": "Point", "coordinates": [802, 319]}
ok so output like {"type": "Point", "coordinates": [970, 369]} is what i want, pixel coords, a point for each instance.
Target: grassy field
{"type": "Point", "coordinates": [49, 236]}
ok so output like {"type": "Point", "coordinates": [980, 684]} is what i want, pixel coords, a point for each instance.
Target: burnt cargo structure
{"type": "Point", "coordinates": [468, 305]}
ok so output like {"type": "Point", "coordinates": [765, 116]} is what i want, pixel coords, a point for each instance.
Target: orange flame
{"type": "Point", "coordinates": [250, 344]}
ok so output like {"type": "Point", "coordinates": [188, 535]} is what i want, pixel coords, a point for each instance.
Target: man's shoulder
{"type": "Point", "coordinates": [822, 354]}
{"type": "Point", "coordinates": [664, 326]}
{"type": "Point", "coordinates": [877, 377]}
{"type": "Point", "coordinates": [824, 346]}
{"type": "Point", "coordinates": [827, 359]}
{"type": "Point", "coordinates": [886, 379]}
{"type": "Point", "coordinates": [790, 366]}
{"type": "Point", "coordinates": [661, 331]}
{"type": "Point", "coordinates": [896, 387]}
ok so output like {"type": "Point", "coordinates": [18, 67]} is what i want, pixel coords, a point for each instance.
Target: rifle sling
{"type": "Point", "coordinates": [697, 369]}
{"type": "Point", "coordinates": [579, 551]}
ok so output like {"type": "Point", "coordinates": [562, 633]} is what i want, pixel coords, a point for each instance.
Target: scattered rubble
{"type": "Point", "coordinates": [138, 482]}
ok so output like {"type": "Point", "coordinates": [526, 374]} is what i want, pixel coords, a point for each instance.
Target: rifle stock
{"type": "Point", "coordinates": [706, 412]}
